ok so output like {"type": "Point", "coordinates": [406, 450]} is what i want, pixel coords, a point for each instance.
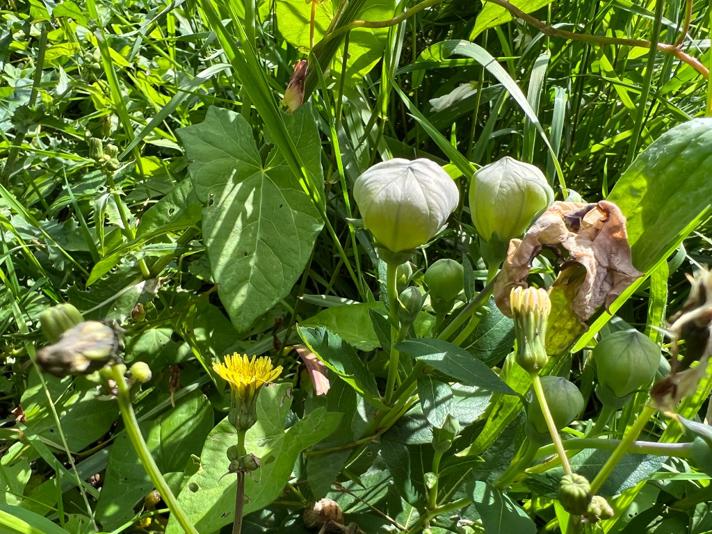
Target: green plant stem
{"type": "Point", "coordinates": [678, 450]}
{"type": "Point", "coordinates": [240, 493]}
{"type": "Point", "coordinates": [467, 311]}
{"type": "Point", "coordinates": [623, 447]}
{"type": "Point", "coordinates": [526, 453]}
{"type": "Point", "coordinates": [604, 416]}
{"type": "Point", "coordinates": [551, 425]}
{"type": "Point", "coordinates": [394, 357]}
{"type": "Point", "coordinates": [149, 464]}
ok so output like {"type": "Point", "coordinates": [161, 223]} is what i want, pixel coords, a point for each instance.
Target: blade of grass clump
{"type": "Point", "coordinates": [537, 80]}
{"type": "Point", "coordinates": [649, 72]}
{"type": "Point", "coordinates": [557, 125]}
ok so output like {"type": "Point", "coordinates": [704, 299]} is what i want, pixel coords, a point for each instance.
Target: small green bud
{"type": "Point", "coordinates": [410, 303]}
{"type": "Point", "coordinates": [96, 148]}
{"type": "Point", "coordinates": [403, 274]}
{"type": "Point", "coordinates": [405, 203]}
{"type": "Point", "coordinates": [58, 319]}
{"type": "Point", "coordinates": [565, 403]}
{"type": "Point", "coordinates": [530, 311]}
{"type": "Point", "coordinates": [233, 453]}
{"type": "Point", "coordinates": [140, 372]}
{"type": "Point", "coordinates": [445, 279]}
{"type": "Point", "coordinates": [82, 349]}
{"type": "Point", "coordinates": [626, 362]}
{"type": "Point", "coordinates": [575, 493]}
{"type": "Point", "coordinates": [430, 479]}
{"type": "Point", "coordinates": [701, 454]}
{"type": "Point", "coordinates": [505, 197]}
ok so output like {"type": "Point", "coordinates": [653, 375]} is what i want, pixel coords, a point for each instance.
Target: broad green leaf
{"type": "Point", "coordinates": [17, 520]}
{"type": "Point", "coordinates": [15, 472]}
{"type": "Point", "coordinates": [665, 189]}
{"type": "Point", "coordinates": [208, 498]}
{"type": "Point", "coordinates": [493, 15]}
{"type": "Point", "coordinates": [84, 417]}
{"type": "Point", "coordinates": [454, 362]}
{"type": "Point", "coordinates": [352, 323]}
{"type": "Point", "coordinates": [341, 359]}
{"type": "Point", "coordinates": [366, 45]}
{"type": "Point", "coordinates": [258, 225]}
{"type": "Point", "coordinates": [176, 210]}
{"type": "Point", "coordinates": [499, 513]}
{"type": "Point", "coordinates": [494, 336]}
{"type": "Point", "coordinates": [171, 438]}
{"type": "Point", "coordinates": [435, 400]}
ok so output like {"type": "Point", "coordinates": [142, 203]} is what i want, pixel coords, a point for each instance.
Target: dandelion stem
{"type": "Point", "coordinates": [240, 494]}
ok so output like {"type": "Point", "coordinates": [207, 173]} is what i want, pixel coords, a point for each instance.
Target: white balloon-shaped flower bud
{"type": "Point", "coordinates": [505, 197]}
{"type": "Point", "coordinates": [404, 203]}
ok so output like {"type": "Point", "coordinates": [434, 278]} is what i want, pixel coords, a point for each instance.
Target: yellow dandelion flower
{"type": "Point", "coordinates": [245, 376]}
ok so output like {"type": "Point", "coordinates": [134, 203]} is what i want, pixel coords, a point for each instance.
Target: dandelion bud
{"type": "Point", "coordinates": [565, 404]}
{"type": "Point", "coordinates": [574, 493]}
{"type": "Point", "coordinates": [58, 319]}
{"type": "Point", "coordinates": [82, 349]}
{"type": "Point", "coordinates": [530, 311]}
{"type": "Point", "coordinates": [626, 362]}
{"type": "Point", "coordinates": [405, 203]}
{"type": "Point", "coordinates": [445, 279]}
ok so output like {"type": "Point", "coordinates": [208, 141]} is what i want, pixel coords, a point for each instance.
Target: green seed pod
{"type": "Point", "coordinates": [405, 203]}
{"type": "Point", "coordinates": [575, 493]}
{"type": "Point", "coordinates": [701, 454]}
{"type": "Point", "coordinates": [565, 403]}
{"type": "Point", "coordinates": [445, 279]}
{"type": "Point", "coordinates": [82, 349]}
{"type": "Point", "coordinates": [410, 303]}
{"type": "Point", "coordinates": [140, 372]}
{"type": "Point", "coordinates": [626, 362]}
{"type": "Point", "coordinates": [505, 197]}
{"type": "Point", "coordinates": [57, 319]}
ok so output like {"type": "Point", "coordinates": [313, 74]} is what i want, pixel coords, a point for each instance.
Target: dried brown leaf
{"type": "Point", "coordinates": [591, 235]}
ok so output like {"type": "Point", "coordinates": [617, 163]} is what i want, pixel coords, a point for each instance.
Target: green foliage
{"type": "Point", "coordinates": [151, 180]}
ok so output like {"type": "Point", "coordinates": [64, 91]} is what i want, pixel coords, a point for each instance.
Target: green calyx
{"type": "Point", "coordinates": [626, 362]}
{"type": "Point", "coordinates": [58, 319]}
{"type": "Point", "coordinates": [575, 493]}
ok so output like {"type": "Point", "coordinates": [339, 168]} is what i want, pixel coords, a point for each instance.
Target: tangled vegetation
{"type": "Point", "coordinates": [355, 266]}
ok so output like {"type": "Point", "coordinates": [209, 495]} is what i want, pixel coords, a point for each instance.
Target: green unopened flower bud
{"type": "Point", "coordinates": [599, 508]}
{"type": "Point", "coordinates": [82, 349]}
{"type": "Point", "coordinates": [405, 203]}
{"type": "Point", "coordinates": [410, 303]}
{"type": "Point", "coordinates": [140, 372]}
{"type": "Point", "coordinates": [445, 279]}
{"type": "Point", "coordinates": [530, 311]}
{"type": "Point", "coordinates": [403, 274]}
{"type": "Point", "coordinates": [96, 148]}
{"type": "Point", "coordinates": [430, 480]}
{"type": "Point", "coordinates": [506, 196]}
{"type": "Point", "coordinates": [626, 362]}
{"type": "Point", "coordinates": [565, 404]}
{"type": "Point", "coordinates": [58, 319]}
{"type": "Point", "coordinates": [575, 493]}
